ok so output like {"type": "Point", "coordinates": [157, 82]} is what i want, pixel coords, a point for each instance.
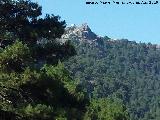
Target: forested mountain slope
{"type": "Point", "coordinates": [120, 69]}
{"type": "Point", "coordinates": [34, 84]}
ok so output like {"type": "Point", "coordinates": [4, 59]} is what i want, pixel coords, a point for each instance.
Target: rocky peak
{"type": "Point", "coordinates": [83, 32]}
{"type": "Point", "coordinates": [84, 27]}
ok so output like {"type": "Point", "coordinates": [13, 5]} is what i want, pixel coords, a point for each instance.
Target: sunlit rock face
{"type": "Point", "coordinates": [83, 32]}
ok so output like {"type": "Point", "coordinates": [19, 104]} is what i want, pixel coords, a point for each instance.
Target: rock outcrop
{"type": "Point", "coordinates": [83, 32]}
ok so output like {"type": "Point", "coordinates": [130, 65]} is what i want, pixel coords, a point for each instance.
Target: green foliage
{"type": "Point", "coordinates": [34, 84]}
{"type": "Point", "coordinates": [37, 93]}
{"type": "Point", "coordinates": [15, 57]}
{"type": "Point", "coordinates": [120, 69]}
{"type": "Point", "coordinates": [38, 111]}
{"type": "Point", "coordinates": [29, 89]}
{"type": "Point", "coordinates": [41, 94]}
{"type": "Point", "coordinates": [21, 19]}
{"type": "Point", "coordinates": [106, 109]}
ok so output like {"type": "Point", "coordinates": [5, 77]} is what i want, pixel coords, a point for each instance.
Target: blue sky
{"type": "Point", "coordinates": [133, 22]}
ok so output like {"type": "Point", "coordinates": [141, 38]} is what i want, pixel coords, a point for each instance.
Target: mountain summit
{"type": "Point", "coordinates": [82, 32]}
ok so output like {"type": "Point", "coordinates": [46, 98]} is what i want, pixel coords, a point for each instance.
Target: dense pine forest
{"type": "Point", "coordinates": [52, 72]}
{"type": "Point", "coordinates": [118, 69]}
{"type": "Point", "coordinates": [34, 82]}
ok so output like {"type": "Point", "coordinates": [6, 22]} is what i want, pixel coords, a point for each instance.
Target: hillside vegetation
{"type": "Point", "coordinates": [120, 69]}
{"type": "Point", "coordinates": [34, 84]}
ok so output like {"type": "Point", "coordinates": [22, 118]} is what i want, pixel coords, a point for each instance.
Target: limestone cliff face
{"type": "Point", "coordinates": [83, 32]}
